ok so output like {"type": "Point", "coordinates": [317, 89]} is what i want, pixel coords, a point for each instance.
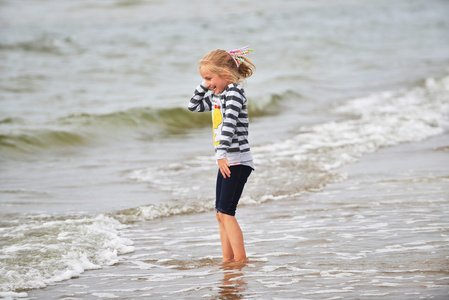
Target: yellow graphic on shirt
{"type": "Point", "coordinates": [217, 120]}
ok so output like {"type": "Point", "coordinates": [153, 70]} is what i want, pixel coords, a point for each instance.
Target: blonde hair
{"type": "Point", "coordinates": [223, 64]}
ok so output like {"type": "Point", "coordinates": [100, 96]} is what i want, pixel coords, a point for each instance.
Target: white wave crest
{"type": "Point", "coordinates": [45, 251]}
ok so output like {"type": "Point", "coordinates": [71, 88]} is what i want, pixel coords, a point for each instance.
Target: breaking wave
{"type": "Point", "coordinates": [44, 250]}
{"type": "Point", "coordinates": [82, 129]}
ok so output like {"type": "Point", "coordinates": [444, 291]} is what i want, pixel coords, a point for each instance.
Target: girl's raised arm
{"type": "Point", "coordinates": [199, 101]}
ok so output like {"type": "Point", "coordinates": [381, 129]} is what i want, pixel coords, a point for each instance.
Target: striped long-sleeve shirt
{"type": "Point", "coordinates": [230, 122]}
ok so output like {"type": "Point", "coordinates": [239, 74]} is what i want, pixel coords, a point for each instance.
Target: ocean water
{"type": "Point", "coordinates": [107, 180]}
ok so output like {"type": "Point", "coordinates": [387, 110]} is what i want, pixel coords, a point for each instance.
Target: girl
{"type": "Point", "coordinates": [222, 73]}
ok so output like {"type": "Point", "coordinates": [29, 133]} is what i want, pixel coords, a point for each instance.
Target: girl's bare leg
{"type": "Point", "coordinates": [228, 254]}
{"type": "Point", "coordinates": [231, 238]}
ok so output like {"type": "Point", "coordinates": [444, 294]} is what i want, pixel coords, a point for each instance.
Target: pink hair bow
{"type": "Point", "coordinates": [238, 54]}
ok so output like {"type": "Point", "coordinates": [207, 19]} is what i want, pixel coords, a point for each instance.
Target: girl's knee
{"type": "Point", "coordinates": [224, 218]}
{"type": "Point", "coordinates": [219, 218]}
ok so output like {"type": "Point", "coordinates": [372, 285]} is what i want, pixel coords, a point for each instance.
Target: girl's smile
{"type": "Point", "coordinates": [213, 81]}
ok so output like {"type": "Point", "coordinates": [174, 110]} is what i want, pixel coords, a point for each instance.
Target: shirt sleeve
{"type": "Point", "coordinates": [234, 103]}
{"type": "Point", "coordinates": [199, 101]}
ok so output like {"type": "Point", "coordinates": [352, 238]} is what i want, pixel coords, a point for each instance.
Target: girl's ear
{"type": "Point", "coordinates": [227, 74]}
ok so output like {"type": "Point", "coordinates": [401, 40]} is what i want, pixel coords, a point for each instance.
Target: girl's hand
{"type": "Point", "coordinates": [223, 164]}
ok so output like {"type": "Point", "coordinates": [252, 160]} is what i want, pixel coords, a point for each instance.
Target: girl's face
{"type": "Point", "coordinates": [214, 82]}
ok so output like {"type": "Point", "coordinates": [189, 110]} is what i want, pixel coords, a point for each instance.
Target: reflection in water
{"type": "Point", "coordinates": [233, 285]}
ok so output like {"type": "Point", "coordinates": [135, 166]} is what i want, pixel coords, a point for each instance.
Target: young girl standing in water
{"type": "Point", "coordinates": [222, 73]}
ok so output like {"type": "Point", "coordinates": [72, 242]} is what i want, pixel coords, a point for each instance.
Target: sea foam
{"type": "Point", "coordinates": [44, 251]}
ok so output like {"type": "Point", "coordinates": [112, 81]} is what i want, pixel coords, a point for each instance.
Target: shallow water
{"type": "Point", "coordinates": [381, 234]}
{"type": "Point", "coordinates": [107, 180]}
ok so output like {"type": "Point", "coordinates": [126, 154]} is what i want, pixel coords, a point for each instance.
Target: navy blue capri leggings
{"type": "Point", "coordinates": [229, 190]}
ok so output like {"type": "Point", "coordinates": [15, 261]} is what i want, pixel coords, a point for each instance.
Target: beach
{"type": "Point", "coordinates": [108, 181]}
